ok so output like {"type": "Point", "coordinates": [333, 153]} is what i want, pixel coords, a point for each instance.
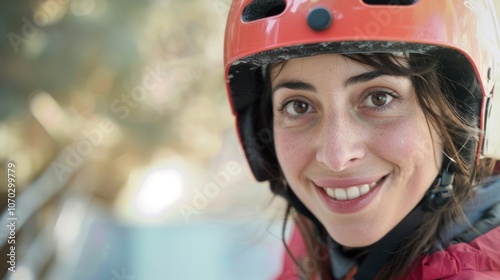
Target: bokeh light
{"type": "Point", "coordinates": [159, 189]}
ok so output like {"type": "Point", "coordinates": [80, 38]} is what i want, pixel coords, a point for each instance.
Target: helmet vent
{"type": "Point", "coordinates": [260, 9]}
{"type": "Point", "coordinates": [390, 2]}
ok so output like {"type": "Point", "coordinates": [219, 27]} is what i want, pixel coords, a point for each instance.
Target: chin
{"type": "Point", "coordinates": [355, 238]}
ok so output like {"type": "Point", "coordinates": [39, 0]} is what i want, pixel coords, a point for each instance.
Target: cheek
{"type": "Point", "coordinates": [409, 138]}
{"type": "Point", "coordinates": [415, 154]}
{"type": "Point", "coordinates": [293, 151]}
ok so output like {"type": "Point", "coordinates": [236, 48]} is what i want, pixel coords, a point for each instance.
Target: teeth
{"type": "Point", "coordinates": [330, 192]}
{"type": "Point", "coordinates": [340, 194]}
{"type": "Point", "coordinates": [351, 193]}
{"type": "Point", "coordinates": [364, 189]}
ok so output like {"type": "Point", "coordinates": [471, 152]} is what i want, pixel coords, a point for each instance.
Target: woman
{"type": "Point", "coordinates": [380, 143]}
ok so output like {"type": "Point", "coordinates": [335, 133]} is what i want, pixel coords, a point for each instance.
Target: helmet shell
{"type": "Point", "coordinates": [260, 32]}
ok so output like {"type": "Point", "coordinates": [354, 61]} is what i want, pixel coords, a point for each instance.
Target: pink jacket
{"type": "Point", "coordinates": [477, 260]}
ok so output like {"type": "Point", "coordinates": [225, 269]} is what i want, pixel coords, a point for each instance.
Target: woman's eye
{"type": "Point", "coordinates": [296, 107]}
{"type": "Point", "coordinates": [378, 99]}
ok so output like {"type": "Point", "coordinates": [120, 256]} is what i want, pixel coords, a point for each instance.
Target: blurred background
{"type": "Point", "coordinates": [114, 121]}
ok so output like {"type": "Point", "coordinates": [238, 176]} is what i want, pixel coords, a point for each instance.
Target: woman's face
{"type": "Point", "coordinates": [353, 144]}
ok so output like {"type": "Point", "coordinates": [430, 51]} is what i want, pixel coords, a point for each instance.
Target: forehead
{"type": "Point", "coordinates": [318, 69]}
{"type": "Point", "coordinates": [331, 61]}
{"type": "Point", "coordinates": [338, 65]}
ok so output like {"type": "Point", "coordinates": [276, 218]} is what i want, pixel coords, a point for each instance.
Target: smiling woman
{"type": "Point", "coordinates": [378, 144]}
{"type": "Point", "coordinates": [352, 135]}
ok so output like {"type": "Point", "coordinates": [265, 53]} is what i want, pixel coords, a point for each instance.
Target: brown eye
{"type": "Point", "coordinates": [379, 99]}
{"type": "Point", "coordinates": [300, 107]}
{"type": "Point", "coordinates": [297, 107]}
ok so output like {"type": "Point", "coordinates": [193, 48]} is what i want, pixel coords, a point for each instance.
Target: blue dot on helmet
{"type": "Point", "coordinates": [319, 18]}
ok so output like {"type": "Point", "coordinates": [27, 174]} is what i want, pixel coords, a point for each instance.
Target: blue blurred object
{"type": "Point", "coordinates": [208, 250]}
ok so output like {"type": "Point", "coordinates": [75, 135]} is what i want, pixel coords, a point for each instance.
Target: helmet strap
{"type": "Point", "coordinates": [441, 190]}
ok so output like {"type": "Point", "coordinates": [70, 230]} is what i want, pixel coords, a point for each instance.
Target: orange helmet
{"type": "Point", "coordinates": [461, 33]}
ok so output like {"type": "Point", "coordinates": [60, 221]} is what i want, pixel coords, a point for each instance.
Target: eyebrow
{"type": "Point", "coordinates": [299, 85]}
{"type": "Point", "coordinates": [363, 77]}
{"type": "Point", "coordinates": [295, 85]}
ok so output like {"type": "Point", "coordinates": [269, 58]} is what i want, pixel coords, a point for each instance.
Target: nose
{"type": "Point", "coordinates": [341, 142]}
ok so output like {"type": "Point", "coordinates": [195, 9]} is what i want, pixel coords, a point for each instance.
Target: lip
{"type": "Point", "coordinates": [348, 206]}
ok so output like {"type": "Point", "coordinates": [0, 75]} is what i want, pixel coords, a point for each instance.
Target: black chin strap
{"type": "Point", "coordinates": [438, 195]}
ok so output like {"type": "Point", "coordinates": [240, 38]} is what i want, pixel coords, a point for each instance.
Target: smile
{"type": "Point", "coordinates": [351, 192]}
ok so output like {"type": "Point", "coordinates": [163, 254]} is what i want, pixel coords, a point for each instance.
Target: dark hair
{"type": "Point", "coordinates": [443, 92]}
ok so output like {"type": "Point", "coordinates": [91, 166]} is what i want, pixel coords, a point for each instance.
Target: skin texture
{"type": "Point", "coordinates": [329, 130]}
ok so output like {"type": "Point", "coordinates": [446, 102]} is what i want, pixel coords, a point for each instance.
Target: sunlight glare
{"type": "Point", "coordinates": [159, 189]}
